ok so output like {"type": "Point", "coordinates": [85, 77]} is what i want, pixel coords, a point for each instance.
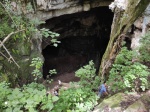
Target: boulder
{"type": "Point", "coordinates": [112, 104]}
{"type": "Point", "coordinates": [137, 106]}
{"type": "Point", "coordinates": [121, 102]}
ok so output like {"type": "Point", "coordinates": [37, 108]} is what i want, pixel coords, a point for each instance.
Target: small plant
{"type": "Point", "coordinates": [53, 71]}
{"type": "Point", "coordinates": [37, 63]}
{"type": "Point", "coordinates": [46, 33]}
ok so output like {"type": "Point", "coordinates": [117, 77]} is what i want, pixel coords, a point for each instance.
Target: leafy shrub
{"type": "Point", "coordinates": [31, 98]}
{"type": "Point", "coordinates": [81, 99]}
{"type": "Point", "coordinates": [126, 75]}
{"type": "Point", "coordinates": [76, 100]}
{"type": "Point", "coordinates": [87, 75]}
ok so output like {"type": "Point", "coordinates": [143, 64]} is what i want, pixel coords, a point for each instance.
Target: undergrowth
{"type": "Point", "coordinates": [127, 74]}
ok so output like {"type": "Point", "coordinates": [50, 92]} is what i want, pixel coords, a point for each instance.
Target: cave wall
{"type": "Point", "coordinates": [140, 27]}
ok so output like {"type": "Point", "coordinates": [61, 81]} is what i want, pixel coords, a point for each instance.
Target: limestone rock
{"type": "Point", "coordinates": [138, 23]}
{"type": "Point", "coordinates": [120, 4]}
{"type": "Point", "coordinates": [141, 27]}
{"type": "Point", "coordinates": [47, 9]}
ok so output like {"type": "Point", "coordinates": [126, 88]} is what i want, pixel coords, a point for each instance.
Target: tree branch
{"type": "Point", "coordinates": [2, 45]}
{"type": "Point", "coordinates": [10, 57]}
{"type": "Point", "coordinates": [8, 36]}
{"type": "Point", "coordinates": [3, 55]}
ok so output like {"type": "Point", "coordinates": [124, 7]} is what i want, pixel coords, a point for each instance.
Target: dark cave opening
{"type": "Point", "coordinates": [84, 36]}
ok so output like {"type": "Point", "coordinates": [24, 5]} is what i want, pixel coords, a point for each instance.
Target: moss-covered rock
{"type": "Point", "coordinates": [137, 106]}
{"type": "Point", "coordinates": [121, 102]}
{"type": "Point", "coordinates": [113, 103]}
{"type": "Point", "coordinates": [146, 99]}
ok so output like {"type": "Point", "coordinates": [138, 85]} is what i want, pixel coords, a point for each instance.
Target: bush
{"type": "Point", "coordinates": [81, 99]}
{"type": "Point", "coordinates": [31, 98]}
{"type": "Point", "coordinates": [126, 75]}
{"type": "Point", "coordinates": [76, 100]}
{"type": "Point", "coordinates": [87, 75]}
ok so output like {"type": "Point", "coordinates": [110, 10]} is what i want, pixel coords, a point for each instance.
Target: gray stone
{"type": "Point", "coordinates": [48, 9]}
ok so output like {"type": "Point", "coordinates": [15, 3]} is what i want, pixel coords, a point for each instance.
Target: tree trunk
{"type": "Point", "coordinates": [121, 23]}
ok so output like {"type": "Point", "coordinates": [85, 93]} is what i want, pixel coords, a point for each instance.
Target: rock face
{"type": "Point", "coordinates": [47, 9]}
{"type": "Point", "coordinates": [140, 27]}
{"type": "Point", "coordinates": [121, 102]}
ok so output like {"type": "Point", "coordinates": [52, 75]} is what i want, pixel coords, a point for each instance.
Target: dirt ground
{"type": "Point", "coordinates": [65, 77]}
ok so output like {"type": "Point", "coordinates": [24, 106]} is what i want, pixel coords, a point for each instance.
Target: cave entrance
{"type": "Point", "coordinates": [84, 36]}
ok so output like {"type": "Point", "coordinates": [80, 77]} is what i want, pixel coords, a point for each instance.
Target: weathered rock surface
{"type": "Point", "coordinates": [141, 26]}
{"type": "Point", "coordinates": [122, 102]}
{"type": "Point", "coordinates": [47, 9]}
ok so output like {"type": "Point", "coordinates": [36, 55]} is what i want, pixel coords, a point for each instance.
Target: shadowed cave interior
{"type": "Point", "coordinates": [84, 36]}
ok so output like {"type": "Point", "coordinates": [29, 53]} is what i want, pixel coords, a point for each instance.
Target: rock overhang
{"type": "Point", "coordinates": [53, 8]}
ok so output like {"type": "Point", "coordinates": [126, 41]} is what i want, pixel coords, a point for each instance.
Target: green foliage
{"type": "Point", "coordinates": [145, 48]}
{"type": "Point", "coordinates": [33, 98]}
{"type": "Point", "coordinates": [46, 33]}
{"type": "Point", "coordinates": [29, 98]}
{"type": "Point", "coordinates": [126, 75]}
{"type": "Point", "coordinates": [87, 75]}
{"type": "Point", "coordinates": [53, 71]}
{"type": "Point", "coordinates": [82, 98]}
{"type": "Point", "coordinates": [4, 25]}
{"type": "Point", "coordinates": [37, 63]}
{"type": "Point", "coordinates": [12, 21]}
{"type": "Point", "coordinates": [76, 100]}
{"type": "Point", "coordinates": [4, 91]}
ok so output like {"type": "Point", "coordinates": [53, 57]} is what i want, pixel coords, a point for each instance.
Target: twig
{"type": "Point", "coordinates": [8, 36]}
{"type": "Point", "coordinates": [3, 55]}
{"type": "Point", "coordinates": [10, 57]}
